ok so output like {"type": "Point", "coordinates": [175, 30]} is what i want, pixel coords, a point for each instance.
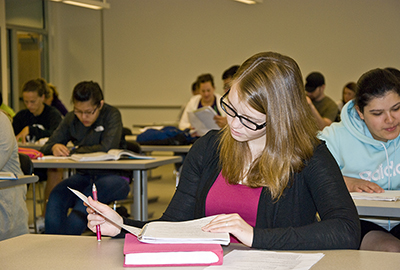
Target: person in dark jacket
{"type": "Point", "coordinates": [265, 175]}
{"type": "Point", "coordinates": [93, 126]}
{"type": "Point", "coordinates": [38, 120]}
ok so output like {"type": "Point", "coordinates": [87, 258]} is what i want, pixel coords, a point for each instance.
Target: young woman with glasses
{"type": "Point", "coordinates": [92, 126]}
{"type": "Point", "coordinates": [266, 175]}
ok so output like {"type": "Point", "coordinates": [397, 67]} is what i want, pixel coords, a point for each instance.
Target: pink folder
{"type": "Point", "coordinates": [143, 254]}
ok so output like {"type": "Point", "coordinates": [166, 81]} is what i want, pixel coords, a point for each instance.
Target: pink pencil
{"type": "Point", "coordinates": [98, 232]}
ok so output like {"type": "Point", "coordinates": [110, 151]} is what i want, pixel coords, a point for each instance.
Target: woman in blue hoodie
{"type": "Point", "coordinates": [366, 146]}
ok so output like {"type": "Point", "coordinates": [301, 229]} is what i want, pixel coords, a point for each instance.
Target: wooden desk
{"type": "Point", "coordinates": [32, 251]}
{"type": "Point", "coordinates": [138, 166]}
{"type": "Point", "coordinates": [22, 179]}
{"type": "Point", "coordinates": [378, 208]}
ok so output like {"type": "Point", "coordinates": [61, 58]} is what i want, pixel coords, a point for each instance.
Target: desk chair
{"type": "Point", "coordinates": [27, 168]}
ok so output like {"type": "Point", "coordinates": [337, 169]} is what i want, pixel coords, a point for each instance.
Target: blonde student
{"type": "Point", "coordinates": [265, 174]}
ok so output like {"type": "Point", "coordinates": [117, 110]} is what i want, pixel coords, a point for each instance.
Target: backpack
{"type": "Point", "coordinates": [168, 135]}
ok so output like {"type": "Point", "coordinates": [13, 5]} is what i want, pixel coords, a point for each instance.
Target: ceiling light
{"type": "Point", "coordinates": [250, 2]}
{"type": "Point", "coordinates": [92, 4]}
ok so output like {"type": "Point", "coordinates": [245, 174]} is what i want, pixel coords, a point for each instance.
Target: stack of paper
{"type": "Point", "coordinates": [388, 195]}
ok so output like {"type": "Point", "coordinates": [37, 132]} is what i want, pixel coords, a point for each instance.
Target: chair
{"type": "Point", "coordinates": [131, 145]}
{"type": "Point", "coordinates": [27, 168]}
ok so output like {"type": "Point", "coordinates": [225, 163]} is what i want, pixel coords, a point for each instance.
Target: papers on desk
{"type": "Point", "coordinates": [267, 260]}
{"type": "Point", "coordinates": [388, 195]}
{"type": "Point", "coordinates": [203, 120]}
{"type": "Point", "coordinates": [113, 154]}
{"type": "Point", "coordinates": [8, 176]}
{"type": "Point", "coordinates": [165, 232]}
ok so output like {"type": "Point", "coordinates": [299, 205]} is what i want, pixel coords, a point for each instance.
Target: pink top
{"type": "Point", "coordinates": [224, 198]}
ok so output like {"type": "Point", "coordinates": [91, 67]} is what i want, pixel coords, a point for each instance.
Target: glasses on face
{"type": "Point", "coordinates": [232, 113]}
{"type": "Point", "coordinates": [87, 113]}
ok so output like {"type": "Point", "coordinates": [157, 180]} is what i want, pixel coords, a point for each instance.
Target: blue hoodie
{"type": "Point", "coordinates": [358, 154]}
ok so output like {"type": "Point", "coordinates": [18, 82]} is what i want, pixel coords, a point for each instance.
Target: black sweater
{"type": "Point", "coordinates": [287, 224]}
{"type": "Point", "coordinates": [40, 126]}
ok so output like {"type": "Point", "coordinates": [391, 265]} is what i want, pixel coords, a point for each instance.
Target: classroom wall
{"type": "Point", "coordinates": [154, 49]}
{"type": "Point", "coordinates": [75, 47]}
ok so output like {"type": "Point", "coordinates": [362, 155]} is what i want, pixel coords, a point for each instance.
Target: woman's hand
{"type": "Point", "coordinates": [106, 227]}
{"type": "Point", "coordinates": [360, 185]}
{"type": "Point", "coordinates": [232, 224]}
{"type": "Point", "coordinates": [60, 150]}
{"type": "Point", "coordinates": [22, 135]}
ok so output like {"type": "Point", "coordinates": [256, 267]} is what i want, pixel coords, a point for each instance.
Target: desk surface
{"type": "Point", "coordinates": [166, 148]}
{"type": "Point", "coordinates": [22, 179]}
{"type": "Point", "coordinates": [32, 251]}
{"type": "Point", "coordinates": [124, 164]}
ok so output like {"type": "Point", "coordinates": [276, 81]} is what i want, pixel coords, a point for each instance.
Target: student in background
{"type": "Point", "coordinates": [227, 77]}
{"type": "Point", "coordinates": [365, 144]}
{"type": "Point", "coordinates": [266, 175]}
{"type": "Point", "coordinates": [195, 91]}
{"type": "Point", "coordinates": [323, 108]}
{"type": "Point", "coordinates": [348, 93]}
{"type": "Point", "coordinates": [52, 99]}
{"type": "Point", "coordinates": [207, 97]}
{"type": "Point", "coordinates": [7, 110]}
{"type": "Point", "coordinates": [13, 211]}
{"type": "Point", "coordinates": [93, 126]}
{"type": "Point", "coordinates": [38, 120]}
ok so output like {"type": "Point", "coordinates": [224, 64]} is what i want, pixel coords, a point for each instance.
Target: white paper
{"type": "Point", "coordinates": [388, 195]}
{"type": "Point", "coordinates": [182, 232]}
{"type": "Point", "coordinates": [50, 157]}
{"type": "Point", "coordinates": [133, 230]}
{"type": "Point", "coordinates": [267, 260]}
{"type": "Point", "coordinates": [203, 120]}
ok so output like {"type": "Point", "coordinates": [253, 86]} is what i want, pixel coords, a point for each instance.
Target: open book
{"type": "Point", "coordinates": [113, 154]}
{"type": "Point", "coordinates": [169, 232]}
{"type": "Point", "coordinates": [388, 195]}
{"type": "Point", "coordinates": [203, 120]}
{"type": "Point", "coordinates": [8, 176]}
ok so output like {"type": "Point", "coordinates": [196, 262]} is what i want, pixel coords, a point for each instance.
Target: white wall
{"type": "Point", "coordinates": [154, 49]}
{"type": "Point", "coordinates": [75, 46]}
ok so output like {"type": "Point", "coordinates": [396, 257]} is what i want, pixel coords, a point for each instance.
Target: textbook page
{"type": "Point", "coordinates": [182, 232]}
{"type": "Point", "coordinates": [203, 120]}
{"type": "Point", "coordinates": [169, 232]}
{"type": "Point", "coordinates": [267, 260]}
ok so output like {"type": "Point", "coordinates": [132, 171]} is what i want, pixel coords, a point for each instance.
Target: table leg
{"type": "Point", "coordinates": [144, 196]}
{"type": "Point", "coordinates": [136, 186]}
{"type": "Point", "coordinates": [139, 205]}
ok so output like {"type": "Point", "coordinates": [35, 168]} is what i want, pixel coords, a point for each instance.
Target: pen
{"type": "Point", "coordinates": [98, 232]}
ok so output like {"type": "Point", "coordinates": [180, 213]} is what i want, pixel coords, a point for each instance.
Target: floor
{"type": "Point", "coordinates": [162, 189]}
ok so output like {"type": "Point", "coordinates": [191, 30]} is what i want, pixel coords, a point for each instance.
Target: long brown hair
{"type": "Point", "coordinates": [272, 84]}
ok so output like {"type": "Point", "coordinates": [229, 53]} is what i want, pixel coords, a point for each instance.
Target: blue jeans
{"type": "Point", "coordinates": [61, 199]}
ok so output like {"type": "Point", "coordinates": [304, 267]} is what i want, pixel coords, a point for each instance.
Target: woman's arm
{"type": "Point", "coordinates": [324, 189]}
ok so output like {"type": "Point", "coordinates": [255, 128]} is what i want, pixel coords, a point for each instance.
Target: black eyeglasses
{"type": "Point", "coordinates": [86, 113]}
{"type": "Point", "coordinates": [232, 113]}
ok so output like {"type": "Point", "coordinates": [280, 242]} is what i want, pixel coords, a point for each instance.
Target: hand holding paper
{"type": "Point", "coordinates": [108, 219]}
